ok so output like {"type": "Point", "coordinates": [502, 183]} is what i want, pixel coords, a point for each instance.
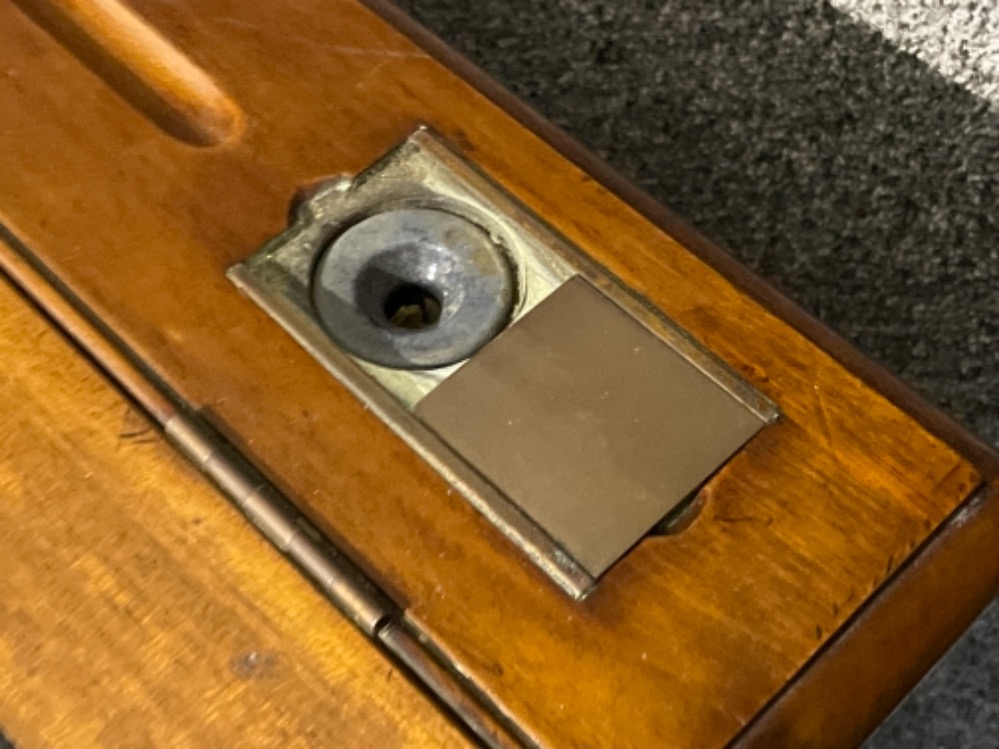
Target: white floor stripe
{"type": "Point", "coordinates": [960, 38]}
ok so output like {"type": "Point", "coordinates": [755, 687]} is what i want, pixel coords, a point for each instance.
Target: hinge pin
{"type": "Point", "coordinates": [262, 504]}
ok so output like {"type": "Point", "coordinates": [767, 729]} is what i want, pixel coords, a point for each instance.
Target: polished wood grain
{"type": "Point", "coordinates": [138, 609]}
{"type": "Point", "coordinates": [117, 44]}
{"type": "Point", "coordinates": [689, 637]}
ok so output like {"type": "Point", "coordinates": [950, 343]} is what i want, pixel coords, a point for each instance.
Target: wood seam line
{"type": "Point", "coordinates": [98, 343]}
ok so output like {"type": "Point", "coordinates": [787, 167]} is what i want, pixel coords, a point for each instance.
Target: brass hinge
{"type": "Point", "coordinates": [335, 576]}
{"type": "Point", "coordinates": [338, 578]}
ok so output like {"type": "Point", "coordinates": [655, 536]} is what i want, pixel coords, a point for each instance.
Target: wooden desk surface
{"type": "Point", "coordinates": [137, 608]}
{"type": "Point", "coordinates": [138, 207]}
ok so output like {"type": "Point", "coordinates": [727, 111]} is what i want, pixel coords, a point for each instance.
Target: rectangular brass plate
{"type": "Point", "coordinates": [591, 424]}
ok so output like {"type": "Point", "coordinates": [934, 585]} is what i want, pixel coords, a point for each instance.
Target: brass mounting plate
{"type": "Point", "coordinates": [688, 412]}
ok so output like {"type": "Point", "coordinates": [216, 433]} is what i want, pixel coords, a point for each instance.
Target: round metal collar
{"type": "Point", "coordinates": [413, 288]}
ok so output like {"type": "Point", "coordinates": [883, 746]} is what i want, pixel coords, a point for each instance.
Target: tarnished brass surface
{"type": "Point", "coordinates": [291, 277]}
{"type": "Point", "coordinates": [591, 424]}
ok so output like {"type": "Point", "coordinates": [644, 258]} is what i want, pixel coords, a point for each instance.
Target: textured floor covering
{"type": "Point", "coordinates": [856, 176]}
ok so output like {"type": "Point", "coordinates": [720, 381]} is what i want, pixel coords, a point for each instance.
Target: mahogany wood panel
{"type": "Point", "coordinates": [685, 640]}
{"type": "Point", "coordinates": [867, 670]}
{"type": "Point", "coordinates": [138, 608]}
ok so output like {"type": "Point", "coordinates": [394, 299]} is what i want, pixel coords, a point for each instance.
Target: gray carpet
{"type": "Point", "coordinates": [855, 168]}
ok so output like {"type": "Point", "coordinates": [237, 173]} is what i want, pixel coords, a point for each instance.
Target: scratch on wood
{"type": "Point", "coordinates": [373, 72]}
{"type": "Point", "coordinates": [348, 50]}
{"type": "Point", "coordinates": [391, 54]}
{"type": "Point", "coordinates": [823, 419]}
{"type": "Point", "coordinates": [767, 521]}
{"type": "Point", "coordinates": [135, 430]}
